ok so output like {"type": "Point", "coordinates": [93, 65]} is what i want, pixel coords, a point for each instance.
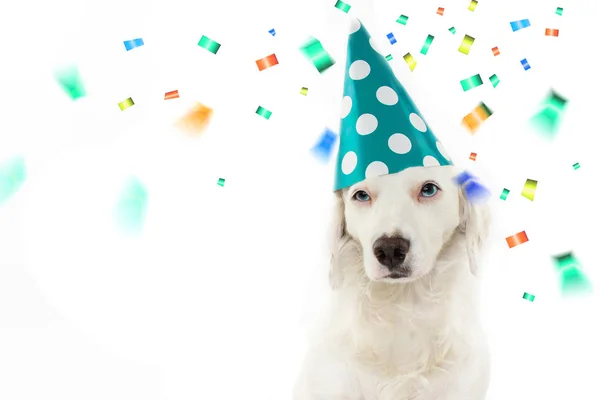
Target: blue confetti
{"type": "Point", "coordinates": [272, 32]}
{"type": "Point", "coordinates": [132, 44]}
{"type": "Point", "coordinates": [391, 38]}
{"type": "Point", "coordinates": [324, 147]}
{"type": "Point", "coordinates": [525, 64]}
{"type": "Point", "coordinates": [516, 25]}
{"type": "Point", "coordinates": [476, 191]}
{"type": "Point", "coordinates": [463, 177]}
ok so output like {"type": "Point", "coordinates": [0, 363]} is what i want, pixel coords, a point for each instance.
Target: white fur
{"type": "Point", "coordinates": [414, 338]}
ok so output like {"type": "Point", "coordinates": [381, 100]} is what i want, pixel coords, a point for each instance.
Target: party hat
{"type": "Point", "coordinates": [382, 131]}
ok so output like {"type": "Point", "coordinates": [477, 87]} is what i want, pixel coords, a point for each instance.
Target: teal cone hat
{"type": "Point", "coordinates": [382, 131]}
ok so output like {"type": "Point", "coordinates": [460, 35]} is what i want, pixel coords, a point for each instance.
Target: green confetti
{"type": "Point", "coordinates": [452, 30]}
{"type": "Point", "coordinates": [472, 82]}
{"type": "Point", "coordinates": [209, 44]}
{"type": "Point", "coordinates": [263, 112]}
{"type": "Point", "coordinates": [428, 42]}
{"type": "Point", "coordinates": [342, 6]}
{"type": "Point", "coordinates": [70, 81]}
{"type": "Point", "coordinates": [130, 211]}
{"type": "Point", "coordinates": [403, 19]}
{"type": "Point", "coordinates": [494, 79]}
{"type": "Point", "coordinates": [126, 104]}
{"type": "Point", "coordinates": [389, 57]}
{"type": "Point", "coordinates": [559, 10]}
{"type": "Point", "coordinates": [314, 51]}
{"type": "Point", "coordinates": [504, 194]}
{"type": "Point", "coordinates": [12, 175]}
{"type": "Point", "coordinates": [547, 120]}
{"type": "Point", "coordinates": [573, 280]}
{"type": "Point", "coordinates": [576, 165]}
{"type": "Point", "coordinates": [528, 296]}
{"type": "Point", "coordinates": [221, 182]}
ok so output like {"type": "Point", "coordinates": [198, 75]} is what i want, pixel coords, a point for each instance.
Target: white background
{"type": "Point", "coordinates": [213, 300]}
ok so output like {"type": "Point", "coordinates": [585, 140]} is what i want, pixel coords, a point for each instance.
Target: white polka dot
{"type": "Point", "coordinates": [359, 69]}
{"type": "Point", "coordinates": [417, 122]}
{"type": "Point", "coordinates": [366, 124]}
{"type": "Point", "coordinates": [354, 26]}
{"type": "Point", "coordinates": [376, 168]}
{"type": "Point", "coordinates": [376, 47]}
{"type": "Point", "coordinates": [346, 106]}
{"type": "Point", "coordinates": [399, 143]}
{"type": "Point", "coordinates": [386, 95]}
{"type": "Point", "coordinates": [430, 161]}
{"type": "Point", "coordinates": [349, 162]}
{"type": "Point", "coordinates": [442, 151]}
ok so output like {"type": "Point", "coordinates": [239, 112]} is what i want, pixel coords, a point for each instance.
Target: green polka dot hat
{"type": "Point", "coordinates": [382, 131]}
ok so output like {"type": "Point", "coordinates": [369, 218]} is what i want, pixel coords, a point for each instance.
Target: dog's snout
{"type": "Point", "coordinates": [391, 251]}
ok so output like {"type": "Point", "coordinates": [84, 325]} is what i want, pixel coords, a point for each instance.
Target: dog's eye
{"type": "Point", "coordinates": [429, 190]}
{"type": "Point", "coordinates": [361, 196]}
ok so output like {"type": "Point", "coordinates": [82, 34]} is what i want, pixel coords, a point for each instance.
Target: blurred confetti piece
{"type": "Point", "coordinates": [125, 104]}
{"type": "Point", "coordinates": [529, 189]}
{"type": "Point", "coordinates": [547, 120]}
{"type": "Point", "coordinates": [462, 178]}
{"type": "Point", "coordinates": [391, 38]}
{"type": "Point", "coordinates": [573, 280]}
{"type": "Point", "coordinates": [576, 166]}
{"type": "Point", "coordinates": [494, 79]}
{"type": "Point", "coordinates": [551, 32]}
{"type": "Point", "coordinates": [267, 62]}
{"type": "Point", "coordinates": [410, 61]}
{"type": "Point", "coordinates": [559, 10]}
{"type": "Point", "coordinates": [466, 44]}
{"type": "Point", "coordinates": [314, 51]}
{"type": "Point", "coordinates": [209, 44]}
{"type": "Point", "coordinates": [528, 296]}
{"type": "Point", "coordinates": [172, 95]}
{"type": "Point", "coordinates": [263, 112]}
{"type": "Point", "coordinates": [272, 32]}
{"type": "Point", "coordinates": [516, 25]}
{"type": "Point", "coordinates": [476, 191]}
{"type": "Point", "coordinates": [132, 44]}
{"type": "Point", "coordinates": [440, 11]}
{"type": "Point", "coordinates": [221, 182]}
{"type": "Point", "coordinates": [403, 19]}
{"type": "Point", "coordinates": [324, 147]}
{"type": "Point", "coordinates": [473, 156]}
{"type": "Point", "coordinates": [473, 120]}
{"type": "Point", "coordinates": [70, 81]}
{"type": "Point", "coordinates": [196, 120]}
{"type": "Point", "coordinates": [525, 64]}
{"type": "Point", "coordinates": [304, 91]}
{"type": "Point", "coordinates": [452, 30]}
{"type": "Point", "coordinates": [389, 57]}
{"type": "Point", "coordinates": [340, 5]}
{"type": "Point", "coordinates": [517, 239]}
{"type": "Point", "coordinates": [426, 45]}
{"type": "Point", "coordinates": [504, 194]}
{"type": "Point", "coordinates": [472, 82]}
{"type": "Point", "coordinates": [12, 176]}
{"type": "Point", "coordinates": [472, 5]}
{"type": "Point", "coordinates": [495, 51]}
{"type": "Point", "coordinates": [130, 211]}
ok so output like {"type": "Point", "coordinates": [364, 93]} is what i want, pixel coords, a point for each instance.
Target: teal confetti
{"type": "Point", "coordinates": [221, 182]}
{"type": "Point", "coordinates": [130, 212]}
{"type": "Point", "coordinates": [70, 81]}
{"type": "Point", "coordinates": [528, 296]}
{"type": "Point", "coordinates": [547, 120]}
{"type": "Point", "coordinates": [12, 175]}
{"type": "Point", "coordinates": [576, 165]}
{"type": "Point", "coordinates": [573, 280]}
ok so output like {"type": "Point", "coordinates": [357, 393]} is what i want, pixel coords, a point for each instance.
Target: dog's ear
{"type": "Point", "coordinates": [475, 225]}
{"type": "Point", "coordinates": [338, 233]}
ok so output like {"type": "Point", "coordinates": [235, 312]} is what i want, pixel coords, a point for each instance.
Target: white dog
{"type": "Point", "coordinates": [404, 320]}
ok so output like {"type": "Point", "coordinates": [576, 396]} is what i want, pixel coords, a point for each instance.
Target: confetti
{"type": "Point", "coordinates": [272, 32]}
{"type": "Point", "coordinates": [313, 50]}
{"type": "Point", "coordinates": [517, 239]}
{"type": "Point", "coordinates": [452, 30]}
{"type": "Point", "coordinates": [559, 10]}
{"type": "Point", "coordinates": [322, 150]}
{"type": "Point", "coordinates": [472, 5]}
{"type": "Point", "coordinates": [463, 178]}
{"type": "Point", "coordinates": [473, 156]}
{"type": "Point", "coordinates": [304, 91]}
{"type": "Point", "coordinates": [221, 182]}
{"type": "Point", "coordinates": [504, 194]}
{"type": "Point", "coordinates": [263, 112]}
{"type": "Point", "coordinates": [391, 38]}
{"type": "Point", "coordinates": [130, 211]}
{"type": "Point", "coordinates": [473, 120]}
{"type": "Point", "coordinates": [573, 280]}
{"type": "Point", "coordinates": [472, 82]}
{"type": "Point", "coordinates": [494, 79]}
{"type": "Point", "coordinates": [132, 44]}
{"type": "Point", "coordinates": [428, 42]}
{"type": "Point", "coordinates": [70, 81]}
{"type": "Point", "coordinates": [516, 25]}
{"type": "Point", "coordinates": [496, 51]}
{"type": "Point", "coordinates": [525, 64]}
{"type": "Point", "coordinates": [551, 32]}
{"type": "Point", "coordinates": [410, 61]}
{"type": "Point", "coordinates": [547, 120]}
{"type": "Point", "coordinates": [576, 166]}
{"type": "Point", "coordinates": [209, 44]}
{"type": "Point", "coordinates": [126, 104]}
{"type": "Point", "coordinates": [467, 42]}
{"type": "Point", "coordinates": [172, 95]}
{"type": "Point", "coordinates": [340, 5]}
{"type": "Point", "coordinates": [403, 19]}
{"type": "Point", "coordinates": [389, 57]}
{"type": "Point", "coordinates": [197, 119]}
{"type": "Point", "coordinates": [13, 173]}
{"type": "Point", "coordinates": [528, 296]}
{"type": "Point", "coordinates": [440, 11]}
{"type": "Point", "coordinates": [529, 189]}
{"type": "Point", "coordinates": [476, 191]}
{"type": "Point", "coordinates": [267, 62]}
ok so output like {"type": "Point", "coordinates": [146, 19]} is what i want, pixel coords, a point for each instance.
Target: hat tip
{"type": "Point", "coordinates": [355, 25]}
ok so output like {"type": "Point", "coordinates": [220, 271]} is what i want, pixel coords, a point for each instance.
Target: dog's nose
{"type": "Point", "coordinates": [391, 251]}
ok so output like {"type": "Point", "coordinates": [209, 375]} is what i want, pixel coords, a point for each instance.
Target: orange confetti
{"type": "Point", "coordinates": [267, 62]}
{"type": "Point", "coordinates": [197, 119]}
{"type": "Point", "coordinates": [475, 118]}
{"type": "Point", "coordinates": [440, 11]}
{"type": "Point", "coordinates": [496, 51]}
{"type": "Point", "coordinates": [551, 32]}
{"type": "Point", "coordinates": [172, 95]}
{"type": "Point", "coordinates": [517, 239]}
{"type": "Point", "coordinates": [473, 156]}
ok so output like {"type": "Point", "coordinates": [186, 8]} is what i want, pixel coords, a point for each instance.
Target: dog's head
{"type": "Point", "coordinates": [399, 223]}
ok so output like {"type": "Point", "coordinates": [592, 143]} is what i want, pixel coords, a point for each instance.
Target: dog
{"type": "Point", "coordinates": [404, 320]}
